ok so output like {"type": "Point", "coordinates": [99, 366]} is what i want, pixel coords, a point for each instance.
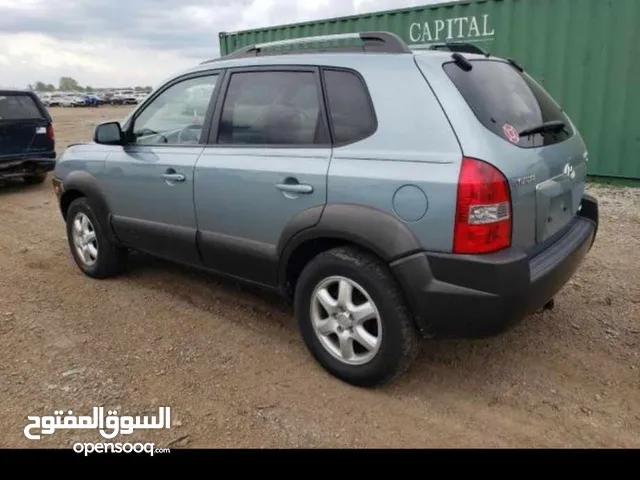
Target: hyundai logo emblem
{"type": "Point", "coordinates": [569, 171]}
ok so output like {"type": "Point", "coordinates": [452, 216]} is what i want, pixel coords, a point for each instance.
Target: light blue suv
{"type": "Point", "coordinates": [390, 194]}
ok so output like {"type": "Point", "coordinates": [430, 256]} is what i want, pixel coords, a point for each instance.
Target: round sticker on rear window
{"type": "Point", "coordinates": [511, 133]}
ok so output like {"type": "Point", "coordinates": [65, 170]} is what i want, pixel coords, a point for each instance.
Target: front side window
{"type": "Point", "coordinates": [176, 116]}
{"type": "Point", "coordinates": [271, 108]}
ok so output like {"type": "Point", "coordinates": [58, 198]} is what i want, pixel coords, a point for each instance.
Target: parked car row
{"type": "Point", "coordinates": [74, 99]}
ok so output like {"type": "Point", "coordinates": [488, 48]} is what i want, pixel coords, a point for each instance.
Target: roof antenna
{"type": "Point", "coordinates": [515, 64]}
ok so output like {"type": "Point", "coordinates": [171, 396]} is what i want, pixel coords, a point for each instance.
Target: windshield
{"type": "Point", "coordinates": [507, 101]}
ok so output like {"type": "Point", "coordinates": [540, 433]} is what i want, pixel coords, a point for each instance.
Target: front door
{"type": "Point", "coordinates": [150, 180]}
{"type": "Point", "coordinates": [266, 163]}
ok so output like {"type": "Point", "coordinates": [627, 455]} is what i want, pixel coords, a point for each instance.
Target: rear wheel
{"type": "Point", "coordinates": [92, 250]}
{"type": "Point", "coordinates": [35, 179]}
{"type": "Point", "coordinates": [353, 318]}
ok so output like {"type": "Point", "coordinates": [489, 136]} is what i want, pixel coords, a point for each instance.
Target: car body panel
{"type": "Point", "coordinates": [413, 153]}
{"type": "Point", "coordinates": [242, 213]}
{"type": "Point", "coordinates": [150, 212]}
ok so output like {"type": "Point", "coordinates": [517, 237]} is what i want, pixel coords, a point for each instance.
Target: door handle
{"type": "Point", "coordinates": [295, 188]}
{"type": "Point", "coordinates": [174, 177]}
{"type": "Point", "coordinates": [171, 176]}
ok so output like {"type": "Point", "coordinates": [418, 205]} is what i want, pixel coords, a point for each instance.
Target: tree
{"type": "Point", "coordinates": [68, 84]}
{"type": "Point", "coordinates": [88, 89]}
{"type": "Point", "coordinates": [42, 87]}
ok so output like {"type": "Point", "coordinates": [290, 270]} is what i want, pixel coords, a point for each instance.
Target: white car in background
{"type": "Point", "coordinates": [125, 97]}
{"type": "Point", "coordinates": [140, 97]}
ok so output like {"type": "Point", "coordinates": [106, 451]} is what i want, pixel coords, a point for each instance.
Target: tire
{"type": "Point", "coordinates": [388, 355]}
{"type": "Point", "coordinates": [109, 259]}
{"type": "Point", "coordinates": [35, 179]}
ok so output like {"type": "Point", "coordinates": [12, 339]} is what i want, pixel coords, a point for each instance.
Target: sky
{"type": "Point", "coordinates": [114, 43]}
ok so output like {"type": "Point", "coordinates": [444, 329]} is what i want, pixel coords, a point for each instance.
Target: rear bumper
{"type": "Point", "coordinates": [19, 167]}
{"type": "Point", "coordinates": [480, 296]}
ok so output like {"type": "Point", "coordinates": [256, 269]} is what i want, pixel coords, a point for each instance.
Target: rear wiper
{"type": "Point", "coordinates": [553, 126]}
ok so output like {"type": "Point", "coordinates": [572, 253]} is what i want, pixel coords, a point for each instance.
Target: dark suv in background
{"type": "Point", "coordinates": [27, 139]}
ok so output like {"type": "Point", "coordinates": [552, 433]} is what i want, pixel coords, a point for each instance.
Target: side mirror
{"type": "Point", "coordinates": [109, 133]}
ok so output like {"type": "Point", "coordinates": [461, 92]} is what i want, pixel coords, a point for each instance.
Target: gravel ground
{"type": "Point", "coordinates": [230, 363]}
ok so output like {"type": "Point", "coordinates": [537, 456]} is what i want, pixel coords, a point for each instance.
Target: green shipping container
{"type": "Point", "coordinates": [585, 52]}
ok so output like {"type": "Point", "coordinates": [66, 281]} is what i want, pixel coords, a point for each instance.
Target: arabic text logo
{"type": "Point", "coordinates": [109, 426]}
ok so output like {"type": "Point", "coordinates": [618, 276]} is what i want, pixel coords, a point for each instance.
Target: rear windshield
{"type": "Point", "coordinates": [507, 101]}
{"type": "Point", "coordinates": [18, 107]}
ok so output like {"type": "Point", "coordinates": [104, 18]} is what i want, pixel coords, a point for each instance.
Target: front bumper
{"type": "Point", "coordinates": [19, 167]}
{"type": "Point", "coordinates": [58, 188]}
{"type": "Point", "coordinates": [479, 296]}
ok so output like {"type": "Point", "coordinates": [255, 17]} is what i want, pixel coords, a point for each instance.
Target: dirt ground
{"type": "Point", "coordinates": [232, 367]}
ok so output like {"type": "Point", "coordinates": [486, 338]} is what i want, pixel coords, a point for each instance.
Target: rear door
{"type": "Point", "coordinates": [490, 106]}
{"type": "Point", "coordinates": [25, 127]}
{"type": "Point", "coordinates": [266, 164]}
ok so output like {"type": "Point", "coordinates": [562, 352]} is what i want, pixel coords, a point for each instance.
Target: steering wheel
{"type": "Point", "coordinates": [188, 134]}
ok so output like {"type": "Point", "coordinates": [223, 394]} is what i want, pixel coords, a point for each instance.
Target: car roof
{"type": "Point", "coordinates": [325, 58]}
{"type": "Point", "coordinates": [328, 59]}
{"type": "Point", "coordinates": [377, 48]}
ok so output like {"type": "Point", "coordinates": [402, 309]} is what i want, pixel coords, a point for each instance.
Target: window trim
{"type": "Point", "coordinates": [367, 94]}
{"type": "Point", "coordinates": [130, 123]}
{"type": "Point", "coordinates": [214, 131]}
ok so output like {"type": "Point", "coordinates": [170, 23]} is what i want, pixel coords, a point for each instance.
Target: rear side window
{"type": "Point", "coordinates": [507, 101]}
{"type": "Point", "coordinates": [272, 108]}
{"type": "Point", "coordinates": [350, 109]}
{"type": "Point", "coordinates": [19, 107]}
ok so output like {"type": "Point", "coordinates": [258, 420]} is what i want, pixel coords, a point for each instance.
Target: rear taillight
{"type": "Point", "coordinates": [51, 133]}
{"type": "Point", "coordinates": [483, 210]}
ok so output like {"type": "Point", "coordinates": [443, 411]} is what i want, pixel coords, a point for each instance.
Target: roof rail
{"type": "Point", "coordinates": [381, 42]}
{"type": "Point", "coordinates": [460, 47]}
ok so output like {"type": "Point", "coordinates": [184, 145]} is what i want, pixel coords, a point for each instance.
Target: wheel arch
{"type": "Point", "coordinates": [67, 198]}
{"type": "Point", "coordinates": [82, 184]}
{"type": "Point", "coordinates": [369, 229]}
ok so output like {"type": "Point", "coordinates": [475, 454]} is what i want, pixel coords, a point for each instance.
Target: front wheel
{"type": "Point", "coordinates": [92, 250]}
{"type": "Point", "coordinates": [353, 318]}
